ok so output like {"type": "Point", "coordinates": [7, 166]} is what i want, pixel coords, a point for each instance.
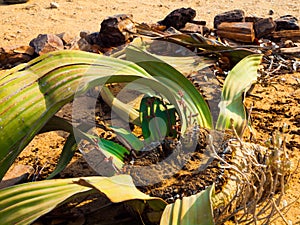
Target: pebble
{"type": "Point", "coordinates": [284, 203]}
{"type": "Point", "coordinates": [54, 5]}
{"type": "Point", "coordinates": [271, 12]}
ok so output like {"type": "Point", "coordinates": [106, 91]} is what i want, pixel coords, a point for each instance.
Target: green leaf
{"type": "Point", "coordinates": [102, 147]}
{"type": "Point", "coordinates": [32, 93]}
{"type": "Point", "coordinates": [187, 64]}
{"type": "Point", "coordinates": [128, 138]}
{"type": "Point", "coordinates": [66, 155]}
{"type": "Point", "coordinates": [110, 148]}
{"type": "Point", "coordinates": [238, 81]}
{"type": "Point", "coordinates": [195, 209]}
{"type": "Point", "coordinates": [23, 204]}
{"type": "Point", "coordinates": [209, 46]}
{"type": "Point", "coordinates": [175, 81]}
{"type": "Point", "coordinates": [158, 119]}
{"type": "Point", "coordinates": [126, 112]}
{"type": "Point", "coordinates": [70, 146]}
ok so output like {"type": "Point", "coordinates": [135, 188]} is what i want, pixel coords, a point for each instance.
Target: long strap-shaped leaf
{"type": "Point", "coordinates": [22, 204]}
{"type": "Point", "coordinates": [238, 81]}
{"type": "Point", "coordinates": [196, 209]}
{"type": "Point", "coordinates": [30, 94]}
{"type": "Point", "coordinates": [157, 119]}
{"type": "Point", "coordinates": [173, 79]}
{"type": "Point", "coordinates": [70, 146]}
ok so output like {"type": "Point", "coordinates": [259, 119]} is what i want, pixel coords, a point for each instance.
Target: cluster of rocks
{"type": "Point", "coordinates": [236, 26]}
{"type": "Point", "coordinates": [115, 31]}
{"type": "Point", "coordinates": [232, 27]}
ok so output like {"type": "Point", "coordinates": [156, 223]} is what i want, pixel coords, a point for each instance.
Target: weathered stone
{"type": "Point", "coordinates": [84, 34]}
{"type": "Point", "coordinates": [236, 15]}
{"type": "Point", "coordinates": [54, 5]}
{"type": "Point", "coordinates": [237, 31]}
{"type": "Point", "coordinates": [28, 50]}
{"type": "Point", "coordinates": [195, 28]}
{"type": "Point", "coordinates": [178, 18]}
{"type": "Point", "coordinates": [93, 38]}
{"type": "Point", "coordinates": [13, 56]}
{"type": "Point", "coordinates": [116, 30]}
{"type": "Point", "coordinates": [263, 27]}
{"type": "Point", "coordinates": [45, 43]}
{"type": "Point", "coordinates": [252, 19]}
{"type": "Point", "coordinates": [287, 22]}
{"type": "Point", "coordinates": [293, 35]}
{"type": "Point", "coordinates": [15, 1]}
{"type": "Point", "coordinates": [90, 42]}
{"type": "Point", "coordinates": [83, 45]}
{"type": "Point", "coordinates": [66, 37]}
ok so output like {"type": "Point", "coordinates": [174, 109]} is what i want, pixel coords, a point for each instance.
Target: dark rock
{"type": "Point", "coordinates": [93, 38]}
{"type": "Point", "coordinates": [271, 12]}
{"type": "Point", "coordinates": [287, 22]}
{"type": "Point", "coordinates": [178, 18]}
{"type": "Point", "coordinates": [14, 1]}
{"type": "Point", "coordinates": [84, 45]}
{"type": "Point", "coordinates": [116, 30]}
{"type": "Point", "coordinates": [263, 27]}
{"type": "Point", "coordinates": [252, 19]}
{"type": "Point", "coordinates": [84, 34]}
{"type": "Point", "coordinates": [236, 15]}
{"type": "Point", "coordinates": [45, 43]}
{"type": "Point", "coordinates": [199, 22]}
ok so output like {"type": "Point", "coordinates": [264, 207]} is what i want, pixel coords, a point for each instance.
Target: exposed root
{"type": "Point", "coordinates": [257, 183]}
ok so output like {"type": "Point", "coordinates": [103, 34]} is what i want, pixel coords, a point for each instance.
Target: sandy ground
{"type": "Point", "coordinates": [23, 22]}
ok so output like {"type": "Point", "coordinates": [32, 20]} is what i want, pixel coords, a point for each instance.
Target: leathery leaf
{"type": "Point", "coordinates": [23, 204]}
{"type": "Point", "coordinates": [32, 93]}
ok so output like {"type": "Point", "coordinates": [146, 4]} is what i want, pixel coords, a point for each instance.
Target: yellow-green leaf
{"type": "Point", "coordinates": [196, 209]}
{"type": "Point", "coordinates": [23, 204]}
{"type": "Point", "coordinates": [238, 81]}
